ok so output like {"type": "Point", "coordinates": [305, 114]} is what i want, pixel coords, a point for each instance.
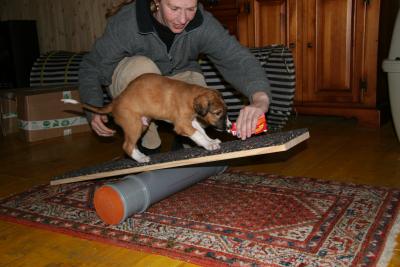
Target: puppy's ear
{"type": "Point", "coordinates": [201, 105]}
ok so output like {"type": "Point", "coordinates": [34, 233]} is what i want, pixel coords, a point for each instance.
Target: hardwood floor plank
{"type": "Point", "coordinates": [26, 246]}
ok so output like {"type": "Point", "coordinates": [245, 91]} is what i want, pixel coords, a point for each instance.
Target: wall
{"type": "Point", "coordinates": [70, 25]}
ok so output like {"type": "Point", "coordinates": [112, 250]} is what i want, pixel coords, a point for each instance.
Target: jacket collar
{"type": "Point", "coordinates": [143, 16]}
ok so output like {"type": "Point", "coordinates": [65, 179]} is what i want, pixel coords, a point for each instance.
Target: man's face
{"type": "Point", "coordinates": [176, 14]}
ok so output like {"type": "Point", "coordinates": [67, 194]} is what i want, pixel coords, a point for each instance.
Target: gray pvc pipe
{"type": "Point", "coordinates": [139, 191]}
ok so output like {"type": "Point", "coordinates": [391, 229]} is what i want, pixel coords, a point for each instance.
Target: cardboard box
{"type": "Point", "coordinates": [8, 112]}
{"type": "Point", "coordinates": [42, 115]}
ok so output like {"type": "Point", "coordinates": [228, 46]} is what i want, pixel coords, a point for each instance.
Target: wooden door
{"type": "Point", "coordinates": [262, 22]}
{"type": "Point", "coordinates": [269, 22]}
{"type": "Point", "coordinates": [295, 41]}
{"type": "Point", "coordinates": [333, 51]}
{"type": "Point", "coordinates": [226, 11]}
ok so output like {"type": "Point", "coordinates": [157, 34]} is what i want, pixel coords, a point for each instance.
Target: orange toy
{"type": "Point", "coordinates": [260, 128]}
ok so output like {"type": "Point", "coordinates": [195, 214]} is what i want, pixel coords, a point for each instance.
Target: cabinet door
{"type": "Point", "coordinates": [333, 50]}
{"type": "Point", "coordinates": [269, 22]}
{"type": "Point", "coordinates": [262, 22]}
{"type": "Point", "coordinates": [295, 41]}
{"type": "Point", "coordinates": [226, 11]}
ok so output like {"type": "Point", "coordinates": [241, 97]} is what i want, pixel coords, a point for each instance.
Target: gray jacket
{"type": "Point", "coordinates": [130, 32]}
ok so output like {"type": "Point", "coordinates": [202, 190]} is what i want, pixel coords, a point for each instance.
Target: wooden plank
{"type": "Point", "coordinates": [270, 143]}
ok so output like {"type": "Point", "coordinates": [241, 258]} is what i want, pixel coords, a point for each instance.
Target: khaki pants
{"type": "Point", "coordinates": [129, 69]}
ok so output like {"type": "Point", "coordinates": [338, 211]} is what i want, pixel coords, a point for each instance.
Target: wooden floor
{"type": "Point", "coordinates": [337, 150]}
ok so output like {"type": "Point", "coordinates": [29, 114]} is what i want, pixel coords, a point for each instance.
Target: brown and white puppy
{"type": "Point", "coordinates": [154, 96]}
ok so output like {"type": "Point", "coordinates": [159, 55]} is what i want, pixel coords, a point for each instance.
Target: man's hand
{"type": "Point", "coordinates": [98, 125]}
{"type": "Point", "coordinates": [248, 116]}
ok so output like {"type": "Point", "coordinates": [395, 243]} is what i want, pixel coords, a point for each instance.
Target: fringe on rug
{"type": "Point", "coordinates": [391, 244]}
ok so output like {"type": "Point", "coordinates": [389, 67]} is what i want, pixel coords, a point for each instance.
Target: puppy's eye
{"type": "Point", "coordinates": [217, 113]}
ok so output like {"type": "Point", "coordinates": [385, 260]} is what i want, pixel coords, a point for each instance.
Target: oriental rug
{"type": "Point", "coordinates": [233, 219]}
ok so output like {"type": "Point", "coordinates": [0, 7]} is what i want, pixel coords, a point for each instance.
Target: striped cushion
{"type": "Point", "coordinates": [56, 68]}
{"type": "Point", "coordinates": [59, 68]}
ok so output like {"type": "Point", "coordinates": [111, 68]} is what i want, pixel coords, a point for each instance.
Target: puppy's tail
{"type": "Point", "coordinates": [104, 110]}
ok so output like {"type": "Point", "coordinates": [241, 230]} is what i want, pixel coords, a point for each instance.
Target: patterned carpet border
{"type": "Point", "coordinates": [314, 223]}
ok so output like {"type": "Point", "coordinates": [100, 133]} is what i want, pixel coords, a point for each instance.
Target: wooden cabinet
{"type": "Point", "coordinates": [226, 11]}
{"type": "Point", "coordinates": [338, 46]}
{"type": "Point", "coordinates": [262, 22]}
{"type": "Point", "coordinates": [340, 66]}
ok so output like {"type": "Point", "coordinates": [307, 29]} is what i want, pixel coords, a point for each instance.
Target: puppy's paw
{"type": "Point", "coordinates": [216, 141]}
{"type": "Point", "coordinates": [139, 156]}
{"type": "Point", "coordinates": [204, 141]}
{"type": "Point", "coordinates": [212, 146]}
{"type": "Point", "coordinates": [143, 159]}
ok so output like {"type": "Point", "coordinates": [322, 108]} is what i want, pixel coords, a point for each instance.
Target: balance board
{"type": "Point", "coordinates": [256, 145]}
